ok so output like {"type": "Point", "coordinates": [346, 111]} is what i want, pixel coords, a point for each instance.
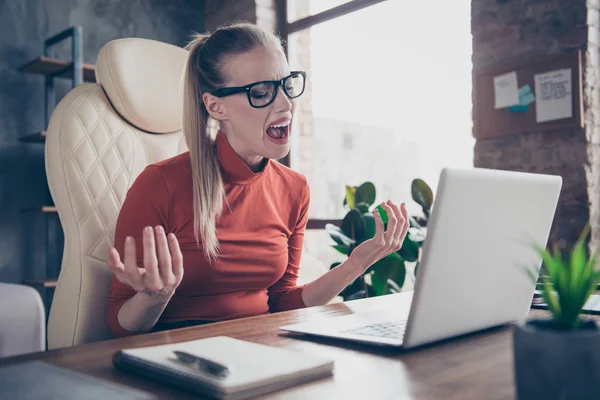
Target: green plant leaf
{"type": "Point", "coordinates": [421, 221]}
{"type": "Point", "coordinates": [390, 267]}
{"type": "Point", "coordinates": [356, 286]}
{"type": "Point", "coordinates": [393, 286]}
{"type": "Point", "coordinates": [422, 194]}
{"type": "Point", "coordinates": [413, 222]}
{"type": "Point", "coordinates": [366, 193]}
{"type": "Point", "coordinates": [353, 225]}
{"type": "Point", "coordinates": [409, 250]}
{"type": "Point", "coordinates": [336, 234]}
{"type": "Point", "coordinates": [369, 226]}
{"type": "Point", "coordinates": [341, 248]}
{"type": "Point", "coordinates": [383, 214]}
{"type": "Point", "coordinates": [371, 291]}
{"type": "Point", "coordinates": [351, 196]}
{"type": "Point", "coordinates": [398, 274]}
{"type": "Point", "coordinates": [359, 294]}
{"type": "Point", "coordinates": [363, 207]}
{"type": "Point", "coordinates": [335, 264]}
{"type": "Point", "coordinates": [550, 298]}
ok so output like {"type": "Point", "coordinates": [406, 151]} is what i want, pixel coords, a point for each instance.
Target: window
{"type": "Point", "coordinates": [298, 9]}
{"type": "Point", "coordinates": [388, 97]}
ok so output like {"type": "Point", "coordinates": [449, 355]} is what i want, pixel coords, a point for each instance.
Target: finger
{"type": "Point", "coordinates": [176, 256]}
{"type": "Point", "coordinates": [406, 221]}
{"type": "Point", "coordinates": [130, 264]}
{"type": "Point", "coordinates": [399, 225]}
{"type": "Point", "coordinates": [379, 226]}
{"type": "Point", "coordinates": [119, 272]}
{"type": "Point", "coordinates": [150, 260]}
{"type": "Point", "coordinates": [114, 263]}
{"type": "Point", "coordinates": [163, 254]}
{"type": "Point", "coordinates": [114, 259]}
{"type": "Point", "coordinates": [392, 221]}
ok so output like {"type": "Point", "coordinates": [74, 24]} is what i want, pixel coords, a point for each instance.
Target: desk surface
{"type": "Point", "coordinates": [470, 367]}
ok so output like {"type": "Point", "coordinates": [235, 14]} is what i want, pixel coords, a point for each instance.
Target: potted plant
{"type": "Point", "coordinates": [558, 357]}
{"type": "Point", "coordinates": [388, 274]}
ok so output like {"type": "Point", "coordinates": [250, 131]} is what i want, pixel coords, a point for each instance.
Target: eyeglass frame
{"type": "Point", "coordinates": [228, 91]}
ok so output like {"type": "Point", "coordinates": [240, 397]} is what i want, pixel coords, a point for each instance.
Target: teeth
{"type": "Point", "coordinates": [280, 126]}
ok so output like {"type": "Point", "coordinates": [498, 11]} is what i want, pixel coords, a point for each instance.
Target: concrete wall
{"type": "Point", "coordinates": [24, 25]}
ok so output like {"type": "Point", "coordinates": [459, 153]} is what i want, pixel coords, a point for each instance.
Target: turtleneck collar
{"type": "Point", "coordinates": [234, 169]}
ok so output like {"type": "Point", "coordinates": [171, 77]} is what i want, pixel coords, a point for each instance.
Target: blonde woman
{"type": "Point", "coordinates": [216, 233]}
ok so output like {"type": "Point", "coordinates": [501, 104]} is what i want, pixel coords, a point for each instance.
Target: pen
{"type": "Point", "coordinates": [212, 367]}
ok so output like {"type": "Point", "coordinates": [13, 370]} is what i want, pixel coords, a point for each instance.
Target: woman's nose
{"type": "Point", "coordinates": [282, 102]}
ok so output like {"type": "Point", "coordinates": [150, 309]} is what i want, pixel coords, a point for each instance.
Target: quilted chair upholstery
{"type": "Point", "coordinates": [100, 137]}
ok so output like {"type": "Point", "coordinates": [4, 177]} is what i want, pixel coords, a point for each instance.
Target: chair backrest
{"type": "Point", "coordinates": [22, 316]}
{"type": "Point", "coordinates": [100, 137]}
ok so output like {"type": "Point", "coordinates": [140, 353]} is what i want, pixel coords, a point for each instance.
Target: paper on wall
{"type": "Point", "coordinates": [553, 92]}
{"type": "Point", "coordinates": [506, 90]}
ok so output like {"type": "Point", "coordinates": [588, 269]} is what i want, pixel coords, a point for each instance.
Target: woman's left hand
{"type": "Point", "coordinates": [383, 243]}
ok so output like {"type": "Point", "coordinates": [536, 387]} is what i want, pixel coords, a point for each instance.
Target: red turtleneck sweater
{"type": "Point", "coordinates": [261, 231]}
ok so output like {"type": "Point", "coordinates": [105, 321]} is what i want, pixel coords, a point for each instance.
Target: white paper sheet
{"type": "Point", "coordinates": [553, 92]}
{"type": "Point", "coordinates": [506, 90]}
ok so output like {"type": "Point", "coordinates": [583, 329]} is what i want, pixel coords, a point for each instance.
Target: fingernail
{"type": "Point", "coordinates": [148, 229]}
{"type": "Point", "coordinates": [159, 229]}
{"type": "Point", "coordinates": [128, 239]}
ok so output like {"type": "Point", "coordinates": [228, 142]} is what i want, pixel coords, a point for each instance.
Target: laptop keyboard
{"type": "Point", "coordinates": [387, 329]}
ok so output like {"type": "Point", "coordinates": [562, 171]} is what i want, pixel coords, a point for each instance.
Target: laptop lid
{"type": "Point", "coordinates": [479, 239]}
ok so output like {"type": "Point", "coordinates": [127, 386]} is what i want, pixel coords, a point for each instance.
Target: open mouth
{"type": "Point", "coordinates": [279, 131]}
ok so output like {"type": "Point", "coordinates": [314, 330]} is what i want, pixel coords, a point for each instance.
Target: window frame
{"type": "Point", "coordinates": [285, 29]}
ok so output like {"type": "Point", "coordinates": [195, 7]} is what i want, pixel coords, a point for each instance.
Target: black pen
{"type": "Point", "coordinates": [212, 367]}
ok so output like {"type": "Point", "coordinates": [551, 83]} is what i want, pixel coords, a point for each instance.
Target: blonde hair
{"type": "Point", "coordinates": [207, 54]}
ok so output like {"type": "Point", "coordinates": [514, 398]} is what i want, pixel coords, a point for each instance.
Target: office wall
{"type": "Point", "coordinates": [507, 32]}
{"type": "Point", "coordinates": [24, 25]}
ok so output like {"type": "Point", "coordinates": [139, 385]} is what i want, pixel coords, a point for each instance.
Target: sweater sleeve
{"type": "Point", "coordinates": [146, 204]}
{"type": "Point", "coordinates": [285, 294]}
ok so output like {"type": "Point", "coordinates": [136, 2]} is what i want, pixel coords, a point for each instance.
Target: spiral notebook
{"type": "Point", "coordinates": [255, 369]}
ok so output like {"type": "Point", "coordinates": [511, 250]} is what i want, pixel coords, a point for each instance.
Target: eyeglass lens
{"type": "Point", "coordinates": [263, 93]}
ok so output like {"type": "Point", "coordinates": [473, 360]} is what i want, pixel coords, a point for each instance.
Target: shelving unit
{"type": "Point", "coordinates": [53, 68]}
{"type": "Point", "coordinates": [57, 68]}
{"type": "Point", "coordinates": [38, 137]}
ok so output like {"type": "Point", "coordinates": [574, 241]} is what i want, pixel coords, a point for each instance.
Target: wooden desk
{"type": "Point", "coordinates": [477, 366]}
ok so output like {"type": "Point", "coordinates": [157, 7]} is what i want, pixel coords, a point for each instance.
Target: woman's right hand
{"type": "Point", "coordinates": [163, 264]}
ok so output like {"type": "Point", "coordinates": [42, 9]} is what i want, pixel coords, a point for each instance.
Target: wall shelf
{"type": "Point", "coordinates": [44, 209]}
{"type": "Point", "coordinates": [45, 283]}
{"type": "Point", "coordinates": [57, 68]}
{"type": "Point", "coordinates": [38, 137]}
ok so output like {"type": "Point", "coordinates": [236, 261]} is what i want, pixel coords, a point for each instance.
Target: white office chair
{"type": "Point", "coordinates": [100, 137]}
{"type": "Point", "coordinates": [22, 320]}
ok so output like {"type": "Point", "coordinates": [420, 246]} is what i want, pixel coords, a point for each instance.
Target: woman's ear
{"type": "Point", "coordinates": [215, 107]}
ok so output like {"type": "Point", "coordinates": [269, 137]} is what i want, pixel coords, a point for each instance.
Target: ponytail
{"type": "Point", "coordinates": [207, 182]}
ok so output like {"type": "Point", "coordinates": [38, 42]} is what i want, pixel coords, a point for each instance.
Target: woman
{"type": "Point", "coordinates": [225, 213]}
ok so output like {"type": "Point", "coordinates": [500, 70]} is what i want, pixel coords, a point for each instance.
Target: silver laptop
{"type": "Point", "coordinates": [471, 275]}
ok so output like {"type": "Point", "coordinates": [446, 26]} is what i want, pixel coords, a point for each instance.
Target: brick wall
{"type": "Point", "coordinates": [512, 31]}
{"type": "Point", "coordinates": [219, 12]}
{"type": "Point", "coordinates": [592, 117]}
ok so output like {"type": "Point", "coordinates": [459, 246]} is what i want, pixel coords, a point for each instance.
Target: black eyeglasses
{"type": "Point", "coordinates": [261, 94]}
